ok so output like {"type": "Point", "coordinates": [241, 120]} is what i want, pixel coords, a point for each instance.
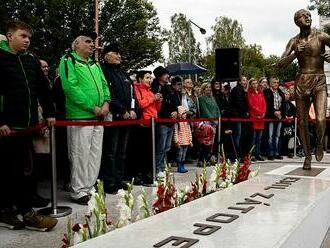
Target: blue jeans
{"type": "Point", "coordinates": [163, 145]}
{"type": "Point", "coordinates": [274, 132]}
{"type": "Point", "coordinates": [256, 141]}
{"type": "Point", "coordinates": [181, 154]}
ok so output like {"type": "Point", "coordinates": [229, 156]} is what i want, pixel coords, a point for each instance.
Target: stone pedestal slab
{"type": "Point", "coordinates": [266, 211]}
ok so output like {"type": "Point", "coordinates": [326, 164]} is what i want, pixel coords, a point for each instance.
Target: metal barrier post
{"type": "Point", "coordinates": [295, 138]}
{"type": "Point", "coordinates": [153, 142]}
{"type": "Point", "coordinates": [219, 140]}
{"type": "Point", "coordinates": [54, 210]}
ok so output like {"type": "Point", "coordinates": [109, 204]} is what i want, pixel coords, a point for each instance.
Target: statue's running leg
{"type": "Point", "coordinates": [320, 104]}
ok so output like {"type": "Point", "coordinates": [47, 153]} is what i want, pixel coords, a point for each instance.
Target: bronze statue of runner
{"type": "Point", "coordinates": [310, 84]}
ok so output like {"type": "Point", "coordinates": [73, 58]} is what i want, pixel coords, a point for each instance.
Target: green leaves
{"type": "Point", "coordinates": [227, 33]}
{"type": "Point", "coordinates": [179, 42]}
{"type": "Point", "coordinates": [56, 23]}
{"type": "Point", "coordinates": [135, 26]}
{"type": "Point", "coordinates": [322, 6]}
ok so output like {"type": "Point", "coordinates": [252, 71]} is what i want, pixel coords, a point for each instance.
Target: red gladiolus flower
{"type": "Point", "coordinates": [76, 228]}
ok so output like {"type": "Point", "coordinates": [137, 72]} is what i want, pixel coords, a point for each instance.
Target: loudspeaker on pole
{"type": "Point", "coordinates": [228, 64]}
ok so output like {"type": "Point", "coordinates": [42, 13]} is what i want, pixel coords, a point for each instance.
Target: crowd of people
{"type": "Point", "coordinates": [86, 90]}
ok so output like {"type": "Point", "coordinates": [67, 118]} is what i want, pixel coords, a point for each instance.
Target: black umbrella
{"type": "Point", "coordinates": [185, 69]}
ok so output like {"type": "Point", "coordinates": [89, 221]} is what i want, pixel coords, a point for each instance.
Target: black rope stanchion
{"type": "Point", "coordinates": [54, 210]}
{"type": "Point", "coordinates": [153, 139]}
{"type": "Point", "coordinates": [219, 140]}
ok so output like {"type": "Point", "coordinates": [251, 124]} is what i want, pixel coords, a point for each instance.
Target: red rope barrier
{"type": "Point", "coordinates": [64, 123]}
{"type": "Point", "coordinates": [22, 132]}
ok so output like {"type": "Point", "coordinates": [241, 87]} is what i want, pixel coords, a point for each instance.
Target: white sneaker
{"type": "Point", "coordinates": [160, 174]}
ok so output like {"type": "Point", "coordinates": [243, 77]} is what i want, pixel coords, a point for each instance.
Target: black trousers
{"type": "Point", "coordinates": [115, 140]}
{"type": "Point", "coordinates": [139, 154]}
{"type": "Point", "coordinates": [16, 181]}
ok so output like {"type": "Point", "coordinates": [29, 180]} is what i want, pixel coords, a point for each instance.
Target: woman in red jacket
{"type": "Point", "coordinates": [148, 102]}
{"type": "Point", "coordinates": [257, 111]}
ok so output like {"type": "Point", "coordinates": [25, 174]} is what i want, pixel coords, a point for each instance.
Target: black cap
{"type": "Point", "coordinates": [88, 33]}
{"type": "Point", "coordinates": [160, 71]}
{"type": "Point", "coordinates": [113, 47]}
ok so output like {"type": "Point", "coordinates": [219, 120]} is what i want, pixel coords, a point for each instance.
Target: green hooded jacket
{"type": "Point", "coordinates": [84, 86]}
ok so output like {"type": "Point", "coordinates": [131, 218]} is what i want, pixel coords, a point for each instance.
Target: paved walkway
{"type": "Point", "coordinates": [28, 239]}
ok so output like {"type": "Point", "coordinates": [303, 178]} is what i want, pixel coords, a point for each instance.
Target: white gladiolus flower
{"type": "Point", "coordinates": [124, 215]}
{"type": "Point", "coordinates": [92, 204]}
{"type": "Point", "coordinates": [77, 238]}
{"type": "Point", "coordinates": [212, 186]}
{"type": "Point", "coordinates": [139, 201]}
{"type": "Point", "coordinates": [121, 193]}
{"type": "Point", "coordinates": [254, 173]}
{"type": "Point", "coordinates": [213, 176]}
{"type": "Point", "coordinates": [131, 201]}
{"type": "Point", "coordinates": [140, 204]}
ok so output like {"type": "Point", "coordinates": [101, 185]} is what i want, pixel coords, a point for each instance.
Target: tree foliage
{"type": "Point", "coordinates": [252, 61]}
{"type": "Point", "coordinates": [57, 22]}
{"type": "Point", "coordinates": [227, 33]}
{"type": "Point", "coordinates": [178, 40]}
{"type": "Point", "coordinates": [135, 26]}
{"type": "Point", "coordinates": [322, 7]}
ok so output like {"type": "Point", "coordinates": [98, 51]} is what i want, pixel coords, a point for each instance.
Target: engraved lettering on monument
{"type": "Point", "coordinates": [178, 241]}
{"type": "Point", "coordinates": [243, 210]}
{"type": "Point", "coordinates": [248, 201]}
{"type": "Point", "coordinates": [231, 218]}
{"type": "Point", "coordinates": [205, 229]}
{"type": "Point", "coordinates": [262, 195]}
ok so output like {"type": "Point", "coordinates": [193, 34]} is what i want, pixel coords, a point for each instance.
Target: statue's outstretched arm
{"type": "Point", "coordinates": [326, 40]}
{"type": "Point", "coordinates": [288, 56]}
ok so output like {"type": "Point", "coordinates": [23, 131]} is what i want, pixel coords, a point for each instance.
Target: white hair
{"type": "Point", "coordinates": [2, 37]}
{"type": "Point", "coordinates": [76, 42]}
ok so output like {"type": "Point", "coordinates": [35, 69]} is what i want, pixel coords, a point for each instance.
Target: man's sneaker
{"type": "Point", "coordinates": [82, 200]}
{"type": "Point", "coordinates": [8, 219]}
{"type": "Point", "coordinates": [39, 202]}
{"type": "Point", "coordinates": [271, 158]}
{"type": "Point", "coordinates": [110, 190]}
{"type": "Point", "coordinates": [278, 157]}
{"type": "Point", "coordinates": [259, 158]}
{"type": "Point", "coordinates": [37, 222]}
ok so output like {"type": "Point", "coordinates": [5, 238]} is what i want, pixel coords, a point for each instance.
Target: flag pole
{"type": "Point", "coordinates": [97, 29]}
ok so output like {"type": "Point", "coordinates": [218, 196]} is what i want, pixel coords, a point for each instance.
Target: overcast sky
{"type": "Point", "coordinates": [268, 23]}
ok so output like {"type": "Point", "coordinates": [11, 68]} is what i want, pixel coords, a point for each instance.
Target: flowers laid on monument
{"type": "Point", "coordinates": [166, 194]}
{"type": "Point", "coordinates": [233, 173]}
{"type": "Point", "coordinates": [215, 178]}
{"type": "Point", "coordinates": [126, 205]}
{"type": "Point", "coordinates": [96, 220]}
{"type": "Point", "coordinates": [143, 206]}
{"type": "Point", "coordinates": [96, 223]}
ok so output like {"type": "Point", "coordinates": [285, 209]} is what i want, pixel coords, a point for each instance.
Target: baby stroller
{"type": "Point", "coordinates": [288, 141]}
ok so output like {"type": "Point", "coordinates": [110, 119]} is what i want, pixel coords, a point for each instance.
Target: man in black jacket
{"type": "Point", "coordinates": [239, 109]}
{"type": "Point", "coordinates": [123, 107]}
{"type": "Point", "coordinates": [164, 131]}
{"type": "Point", "coordinates": [22, 85]}
{"type": "Point", "coordinates": [274, 98]}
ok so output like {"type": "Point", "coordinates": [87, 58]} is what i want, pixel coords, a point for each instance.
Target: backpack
{"type": "Point", "coordinates": [57, 90]}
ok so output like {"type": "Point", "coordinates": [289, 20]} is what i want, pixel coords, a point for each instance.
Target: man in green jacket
{"type": "Point", "coordinates": [87, 97]}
